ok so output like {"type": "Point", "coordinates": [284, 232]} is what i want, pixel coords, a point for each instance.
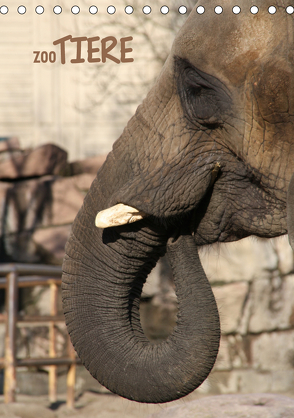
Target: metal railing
{"type": "Point", "coordinates": [12, 277]}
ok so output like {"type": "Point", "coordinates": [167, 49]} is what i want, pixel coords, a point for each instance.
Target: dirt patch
{"type": "Point", "coordinates": [88, 405]}
{"type": "Point", "coordinates": [107, 405]}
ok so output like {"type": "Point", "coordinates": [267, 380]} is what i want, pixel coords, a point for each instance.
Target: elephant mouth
{"type": "Point", "coordinates": [121, 214]}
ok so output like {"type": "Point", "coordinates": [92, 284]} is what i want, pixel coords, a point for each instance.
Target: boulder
{"type": "Point", "coordinates": [273, 351]}
{"type": "Point", "coordinates": [52, 239]}
{"type": "Point", "coordinates": [31, 211]}
{"type": "Point", "coordinates": [230, 299]}
{"type": "Point", "coordinates": [234, 352]}
{"type": "Point", "coordinates": [43, 160]}
{"type": "Point", "coordinates": [233, 406]}
{"type": "Point", "coordinates": [243, 260]}
{"type": "Point", "coordinates": [89, 165]}
{"type": "Point", "coordinates": [9, 144]}
{"type": "Point", "coordinates": [271, 304]}
{"type": "Point", "coordinates": [83, 181]}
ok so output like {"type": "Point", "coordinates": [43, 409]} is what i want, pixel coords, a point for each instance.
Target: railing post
{"type": "Point", "coordinates": [52, 345]}
{"type": "Point", "coordinates": [10, 338]}
{"type": "Point", "coordinates": [71, 376]}
{"type": "Point", "coordinates": [10, 362]}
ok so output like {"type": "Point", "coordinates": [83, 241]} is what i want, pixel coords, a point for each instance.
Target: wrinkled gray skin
{"type": "Point", "coordinates": [224, 99]}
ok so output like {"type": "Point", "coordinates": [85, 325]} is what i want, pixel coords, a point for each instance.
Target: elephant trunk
{"type": "Point", "coordinates": [104, 269]}
{"type": "Point", "coordinates": [104, 272]}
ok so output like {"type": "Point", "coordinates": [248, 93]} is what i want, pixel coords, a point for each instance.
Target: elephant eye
{"type": "Point", "coordinates": [203, 98]}
{"type": "Point", "coordinates": [201, 104]}
{"type": "Point", "coordinates": [194, 90]}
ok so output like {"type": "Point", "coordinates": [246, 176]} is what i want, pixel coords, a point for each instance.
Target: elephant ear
{"type": "Point", "coordinates": [290, 212]}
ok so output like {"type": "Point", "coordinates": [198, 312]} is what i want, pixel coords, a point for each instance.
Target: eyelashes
{"type": "Point", "coordinates": [204, 102]}
{"type": "Point", "coordinates": [200, 102]}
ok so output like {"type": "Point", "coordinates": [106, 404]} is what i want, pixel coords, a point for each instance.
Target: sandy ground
{"type": "Point", "coordinates": [92, 399]}
{"type": "Point", "coordinates": [89, 405]}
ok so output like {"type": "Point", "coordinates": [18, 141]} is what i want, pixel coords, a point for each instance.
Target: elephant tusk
{"type": "Point", "coordinates": [119, 214]}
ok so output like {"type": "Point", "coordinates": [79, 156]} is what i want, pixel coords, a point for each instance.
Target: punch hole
{"type": "Point", "coordinates": [129, 10]}
{"type": "Point", "coordinates": [57, 10]}
{"type": "Point", "coordinates": [164, 10]}
{"type": "Point", "coordinates": [218, 10]}
{"type": "Point", "coordinates": [111, 10]}
{"type": "Point", "coordinates": [4, 10]}
{"type": "Point", "coordinates": [236, 10]}
{"type": "Point", "coordinates": [200, 10]}
{"type": "Point", "coordinates": [254, 10]}
{"type": "Point", "coordinates": [75, 10]}
{"type": "Point", "coordinates": [93, 10]}
{"type": "Point", "coordinates": [21, 10]}
{"type": "Point", "coordinates": [272, 10]}
{"type": "Point", "coordinates": [182, 10]}
{"type": "Point", "coordinates": [39, 10]}
{"type": "Point", "coordinates": [146, 10]}
{"type": "Point", "coordinates": [290, 10]}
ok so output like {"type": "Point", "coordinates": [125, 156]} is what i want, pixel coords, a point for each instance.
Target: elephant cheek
{"type": "Point", "coordinates": [290, 212]}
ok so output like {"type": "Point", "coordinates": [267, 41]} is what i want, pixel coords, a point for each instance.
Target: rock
{"type": "Point", "coordinates": [25, 203]}
{"type": "Point", "coordinates": [282, 381]}
{"type": "Point", "coordinates": [243, 260]}
{"type": "Point", "coordinates": [239, 381]}
{"type": "Point", "coordinates": [33, 342]}
{"type": "Point", "coordinates": [19, 247]}
{"type": "Point", "coordinates": [67, 200]}
{"type": "Point", "coordinates": [152, 284]}
{"type": "Point", "coordinates": [158, 309]}
{"type": "Point", "coordinates": [285, 254]}
{"type": "Point", "coordinates": [250, 380]}
{"type": "Point", "coordinates": [273, 351]}
{"type": "Point", "coordinates": [234, 352]}
{"type": "Point", "coordinates": [27, 206]}
{"type": "Point", "coordinates": [52, 239]}
{"type": "Point", "coordinates": [32, 383]}
{"type": "Point", "coordinates": [31, 211]}
{"type": "Point", "coordinates": [223, 360]}
{"type": "Point", "coordinates": [48, 201]}
{"type": "Point", "coordinates": [9, 144]}
{"type": "Point", "coordinates": [158, 317]}
{"type": "Point", "coordinates": [251, 363]}
{"type": "Point", "coordinates": [83, 181]}
{"type": "Point", "coordinates": [271, 304]}
{"type": "Point", "coordinates": [230, 300]}
{"type": "Point", "coordinates": [233, 406]}
{"type": "Point", "coordinates": [89, 165]}
{"type": "Point", "coordinates": [46, 159]}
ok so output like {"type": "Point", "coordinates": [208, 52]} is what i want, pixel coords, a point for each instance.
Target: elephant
{"type": "Point", "coordinates": [206, 158]}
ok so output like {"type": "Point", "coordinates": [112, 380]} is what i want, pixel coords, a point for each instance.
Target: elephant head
{"type": "Point", "coordinates": [207, 157]}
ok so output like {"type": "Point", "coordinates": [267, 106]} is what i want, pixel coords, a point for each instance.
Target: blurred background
{"type": "Point", "coordinates": [80, 107]}
{"type": "Point", "coordinates": [57, 123]}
